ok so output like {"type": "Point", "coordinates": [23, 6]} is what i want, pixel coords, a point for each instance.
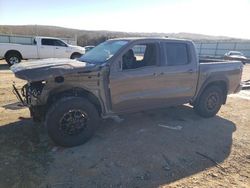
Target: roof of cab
{"type": "Point", "coordinates": [47, 37]}
{"type": "Point", "coordinates": [152, 38]}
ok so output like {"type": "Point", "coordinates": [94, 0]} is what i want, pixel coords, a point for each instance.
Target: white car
{"type": "Point", "coordinates": [41, 47]}
{"type": "Point", "coordinates": [235, 55]}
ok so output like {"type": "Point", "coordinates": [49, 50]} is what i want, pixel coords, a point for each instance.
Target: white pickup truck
{"type": "Point", "coordinates": [38, 48]}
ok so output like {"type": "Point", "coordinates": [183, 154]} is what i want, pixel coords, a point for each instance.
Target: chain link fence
{"type": "Point", "coordinates": [218, 49]}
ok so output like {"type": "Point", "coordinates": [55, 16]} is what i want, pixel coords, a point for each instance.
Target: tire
{"type": "Point", "coordinates": [210, 101]}
{"type": "Point", "coordinates": [67, 132]}
{"type": "Point", "coordinates": [13, 58]}
{"type": "Point", "coordinates": [75, 55]}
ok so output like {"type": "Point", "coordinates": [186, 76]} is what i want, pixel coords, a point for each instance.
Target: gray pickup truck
{"type": "Point", "coordinates": [122, 76]}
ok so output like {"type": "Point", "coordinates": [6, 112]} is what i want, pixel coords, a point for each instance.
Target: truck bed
{"type": "Point", "coordinates": [210, 60]}
{"type": "Point", "coordinates": [221, 69]}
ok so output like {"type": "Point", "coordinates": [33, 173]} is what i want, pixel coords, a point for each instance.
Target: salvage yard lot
{"type": "Point", "coordinates": [170, 147]}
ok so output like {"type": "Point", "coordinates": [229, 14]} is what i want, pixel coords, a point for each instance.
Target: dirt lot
{"type": "Point", "coordinates": [137, 152]}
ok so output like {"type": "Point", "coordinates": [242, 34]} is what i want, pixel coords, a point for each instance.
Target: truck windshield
{"type": "Point", "coordinates": [103, 51]}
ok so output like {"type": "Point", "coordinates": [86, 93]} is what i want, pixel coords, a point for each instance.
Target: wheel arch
{"type": "Point", "coordinates": [12, 52]}
{"type": "Point", "coordinates": [76, 92]}
{"type": "Point", "coordinates": [75, 53]}
{"type": "Point", "coordinates": [219, 81]}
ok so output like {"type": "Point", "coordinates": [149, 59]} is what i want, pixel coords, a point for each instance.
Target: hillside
{"type": "Point", "coordinates": [87, 37]}
{"type": "Point", "coordinates": [52, 31]}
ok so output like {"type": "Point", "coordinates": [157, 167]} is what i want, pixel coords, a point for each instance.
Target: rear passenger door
{"type": "Point", "coordinates": [179, 75]}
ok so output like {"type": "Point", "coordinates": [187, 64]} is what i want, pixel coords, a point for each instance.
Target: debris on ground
{"type": "Point", "coordinates": [209, 158]}
{"type": "Point", "coordinates": [117, 119]}
{"type": "Point", "coordinates": [167, 163]}
{"type": "Point", "coordinates": [145, 176]}
{"type": "Point", "coordinates": [177, 128]}
{"type": "Point", "coordinates": [213, 175]}
{"type": "Point", "coordinates": [57, 149]}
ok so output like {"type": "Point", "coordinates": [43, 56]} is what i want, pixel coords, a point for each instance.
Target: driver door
{"type": "Point", "coordinates": [135, 88]}
{"type": "Point", "coordinates": [61, 49]}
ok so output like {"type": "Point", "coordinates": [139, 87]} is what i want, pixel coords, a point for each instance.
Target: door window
{"type": "Point", "coordinates": [59, 43]}
{"type": "Point", "coordinates": [53, 42]}
{"type": "Point", "coordinates": [177, 54]}
{"type": "Point", "coordinates": [140, 55]}
{"type": "Point", "coordinates": [48, 42]}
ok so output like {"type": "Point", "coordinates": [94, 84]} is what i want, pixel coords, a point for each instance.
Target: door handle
{"type": "Point", "coordinates": [190, 71]}
{"type": "Point", "coordinates": [160, 74]}
{"type": "Point", "coordinates": [57, 48]}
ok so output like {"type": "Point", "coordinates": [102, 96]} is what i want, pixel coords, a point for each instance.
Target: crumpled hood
{"type": "Point", "coordinates": [48, 68]}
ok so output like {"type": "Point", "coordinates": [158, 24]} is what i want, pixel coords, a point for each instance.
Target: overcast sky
{"type": "Point", "coordinates": [212, 17]}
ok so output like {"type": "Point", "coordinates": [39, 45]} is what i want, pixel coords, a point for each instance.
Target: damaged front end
{"type": "Point", "coordinates": [29, 92]}
{"type": "Point", "coordinates": [29, 95]}
{"type": "Point", "coordinates": [49, 73]}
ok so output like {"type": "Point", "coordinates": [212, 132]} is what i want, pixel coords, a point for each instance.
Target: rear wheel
{"type": "Point", "coordinates": [71, 121]}
{"type": "Point", "coordinates": [13, 58]}
{"type": "Point", "coordinates": [209, 102]}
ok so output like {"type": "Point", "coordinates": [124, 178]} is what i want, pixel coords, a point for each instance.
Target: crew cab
{"type": "Point", "coordinates": [123, 76]}
{"type": "Point", "coordinates": [39, 48]}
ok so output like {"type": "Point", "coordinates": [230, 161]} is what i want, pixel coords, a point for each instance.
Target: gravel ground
{"type": "Point", "coordinates": [170, 147]}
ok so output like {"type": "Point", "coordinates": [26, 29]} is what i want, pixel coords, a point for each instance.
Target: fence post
{"type": "Point", "coordinates": [235, 46]}
{"type": "Point", "coordinates": [200, 49]}
{"type": "Point", "coordinates": [216, 48]}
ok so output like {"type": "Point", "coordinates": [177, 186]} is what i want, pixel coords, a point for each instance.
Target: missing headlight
{"type": "Point", "coordinates": [59, 79]}
{"type": "Point", "coordinates": [35, 88]}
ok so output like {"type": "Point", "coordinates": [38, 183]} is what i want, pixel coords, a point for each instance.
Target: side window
{"type": "Point", "coordinates": [59, 43]}
{"type": "Point", "coordinates": [140, 55]}
{"type": "Point", "coordinates": [49, 42]}
{"type": "Point", "coordinates": [139, 51]}
{"type": "Point", "coordinates": [177, 54]}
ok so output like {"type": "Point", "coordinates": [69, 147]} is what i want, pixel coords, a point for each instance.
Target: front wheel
{"type": "Point", "coordinates": [210, 101]}
{"type": "Point", "coordinates": [75, 55]}
{"type": "Point", "coordinates": [71, 121]}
